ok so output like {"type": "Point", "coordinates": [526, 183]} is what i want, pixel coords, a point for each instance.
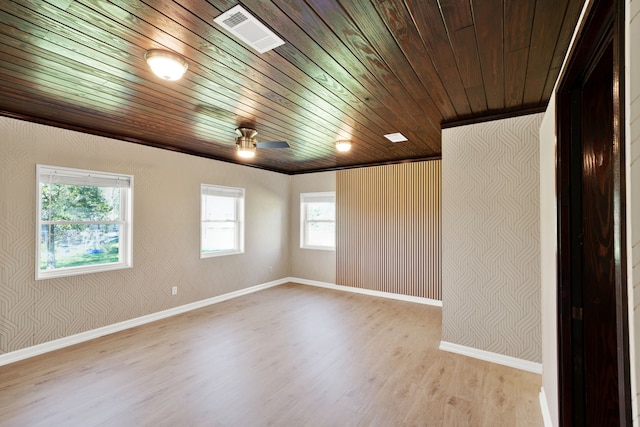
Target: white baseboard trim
{"type": "Point", "coordinates": [46, 347]}
{"type": "Point", "coordinates": [489, 356]}
{"type": "Point", "coordinates": [544, 407]}
{"type": "Point", "coordinates": [408, 298]}
{"type": "Point", "coordinates": [38, 349]}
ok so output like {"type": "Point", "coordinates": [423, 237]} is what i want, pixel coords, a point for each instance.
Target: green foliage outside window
{"type": "Point", "coordinates": [72, 233]}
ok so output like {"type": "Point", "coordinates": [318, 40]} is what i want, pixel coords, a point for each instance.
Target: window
{"type": "Point", "coordinates": [222, 220]}
{"type": "Point", "coordinates": [318, 220]}
{"type": "Point", "coordinates": [84, 221]}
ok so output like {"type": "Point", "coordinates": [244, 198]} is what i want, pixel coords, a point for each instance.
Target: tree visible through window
{"type": "Point", "coordinates": [222, 220]}
{"type": "Point", "coordinates": [318, 220]}
{"type": "Point", "coordinates": [84, 221]}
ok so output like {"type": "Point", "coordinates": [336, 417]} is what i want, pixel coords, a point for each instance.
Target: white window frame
{"type": "Point", "coordinates": [47, 174]}
{"type": "Point", "coordinates": [305, 198]}
{"type": "Point", "coordinates": [222, 191]}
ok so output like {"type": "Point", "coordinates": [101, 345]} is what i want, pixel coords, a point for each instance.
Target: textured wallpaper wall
{"type": "Point", "coordinates": [166, 234]}
{"type": "Point", "coordinates": [490, 229]}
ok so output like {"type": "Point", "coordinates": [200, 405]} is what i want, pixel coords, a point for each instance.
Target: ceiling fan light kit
{"type": "Point", "coordinates": [166, 65]}
{"type": "Point", "coordinates": [246, 143]}
{"type": "Point", "coordinates": [246, 152]}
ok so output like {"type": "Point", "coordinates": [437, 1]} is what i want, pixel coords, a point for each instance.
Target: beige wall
{"type": "Point", "coordinates": [491, 240]}
{"type": "Point", "coordinates": [548, 263]}
{"type": "Point", "coordinates": [633, 191]}
{"type": "Point", "coordinates": [166, 234]}
{"type": "Point", "coordinates": [388, 227]}
{"type": "Point", "coordinates": [310, 264]}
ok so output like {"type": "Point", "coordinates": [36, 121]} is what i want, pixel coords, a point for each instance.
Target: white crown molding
{"type": "Point", "coordinates": [408, 298]}
{"type": "Point", "coordinates": [489, 356]}
{"type": "Point", "coordinates": [38, 349]}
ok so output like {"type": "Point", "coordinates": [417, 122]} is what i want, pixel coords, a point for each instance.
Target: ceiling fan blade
{"type": "Point", "coordinates": [272, 144]}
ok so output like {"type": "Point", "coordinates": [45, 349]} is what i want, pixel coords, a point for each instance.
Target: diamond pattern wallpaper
{"type": "Point", "coordinates": [166, 234]}
{"type": "Point", "coordinates": [491, 242]}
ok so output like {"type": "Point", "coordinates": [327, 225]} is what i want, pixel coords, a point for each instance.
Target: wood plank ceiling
{"type": "Point", "coordinates": [350, 69]}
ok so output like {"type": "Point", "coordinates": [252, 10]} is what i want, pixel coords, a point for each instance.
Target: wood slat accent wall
{"type": "Point", "coordinates": [388, 222]}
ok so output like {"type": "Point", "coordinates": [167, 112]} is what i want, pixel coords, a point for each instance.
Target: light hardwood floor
{"type": "Point", "coordinates": [291, 355]}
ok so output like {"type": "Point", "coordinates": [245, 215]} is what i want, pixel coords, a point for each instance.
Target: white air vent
{"type": "Point", "coordinates": [248, 29]}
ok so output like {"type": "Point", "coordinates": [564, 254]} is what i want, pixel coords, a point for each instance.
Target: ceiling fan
{"type": "Point", "coordinates": [246, 142]}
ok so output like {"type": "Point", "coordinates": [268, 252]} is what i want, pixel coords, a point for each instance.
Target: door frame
{"type": "Point", "coordinates": [604, 22]}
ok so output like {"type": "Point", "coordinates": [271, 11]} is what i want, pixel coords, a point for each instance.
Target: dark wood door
{"type": "Point", "coordinates": [592, 301]}
{"type": "Point", "coordinates": [599, 346]}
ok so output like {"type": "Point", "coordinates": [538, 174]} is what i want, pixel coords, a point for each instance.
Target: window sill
{"type": "Point", "coordinates": [205, 255]}
{"type": "Point", "coordinates": [76, 271]}
{"type": "Point", "coordinates": [319, 248]}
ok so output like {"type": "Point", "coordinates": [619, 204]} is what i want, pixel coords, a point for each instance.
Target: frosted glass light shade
{"type": "Point", "coordinates": [166, 65]}
{"type": "Point", "coordinates": [246, 152]}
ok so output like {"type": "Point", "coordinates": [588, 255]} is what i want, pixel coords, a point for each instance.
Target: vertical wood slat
{"type": "Point", "coordinates": [388, 222]}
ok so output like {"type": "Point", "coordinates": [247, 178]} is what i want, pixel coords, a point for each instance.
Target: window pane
{"type": "Point", "coordinates": [321, 211]}
{"type": "Point", "coordinates": [218, 236]}
{"type": "Point", "coordinates": [73, 245]}
{"type": "Point", "coordinates": [84, 221]}
{"type": "Point", "coordinates": [321, 234]}
{"type": "Point", "coordinates": [65, 202]}
{"type": "Point", "coordinates": [215, 208]}
{"type": "Point", "coordinates": [317, 220]}
{"type": "Point", "coordinates": [222, 215]}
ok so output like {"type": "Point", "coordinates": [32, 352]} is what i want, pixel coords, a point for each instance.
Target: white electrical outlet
{"type": "Point", "coordinates": [174, 290]}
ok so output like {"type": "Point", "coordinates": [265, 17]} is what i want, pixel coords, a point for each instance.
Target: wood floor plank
{"type": "Point", "coordinates": [291, 355]}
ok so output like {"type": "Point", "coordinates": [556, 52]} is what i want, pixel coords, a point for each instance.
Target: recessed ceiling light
{"type": "Point", "coordinates": [343, 146]}
{"type": "Point", "coordinates": [249, 29]}
{"type": "Point", "coordinates": [396, 137]}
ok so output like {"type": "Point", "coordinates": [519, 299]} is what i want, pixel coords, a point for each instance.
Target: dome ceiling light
{"type": "Point", "coordinates": [166, 65]}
